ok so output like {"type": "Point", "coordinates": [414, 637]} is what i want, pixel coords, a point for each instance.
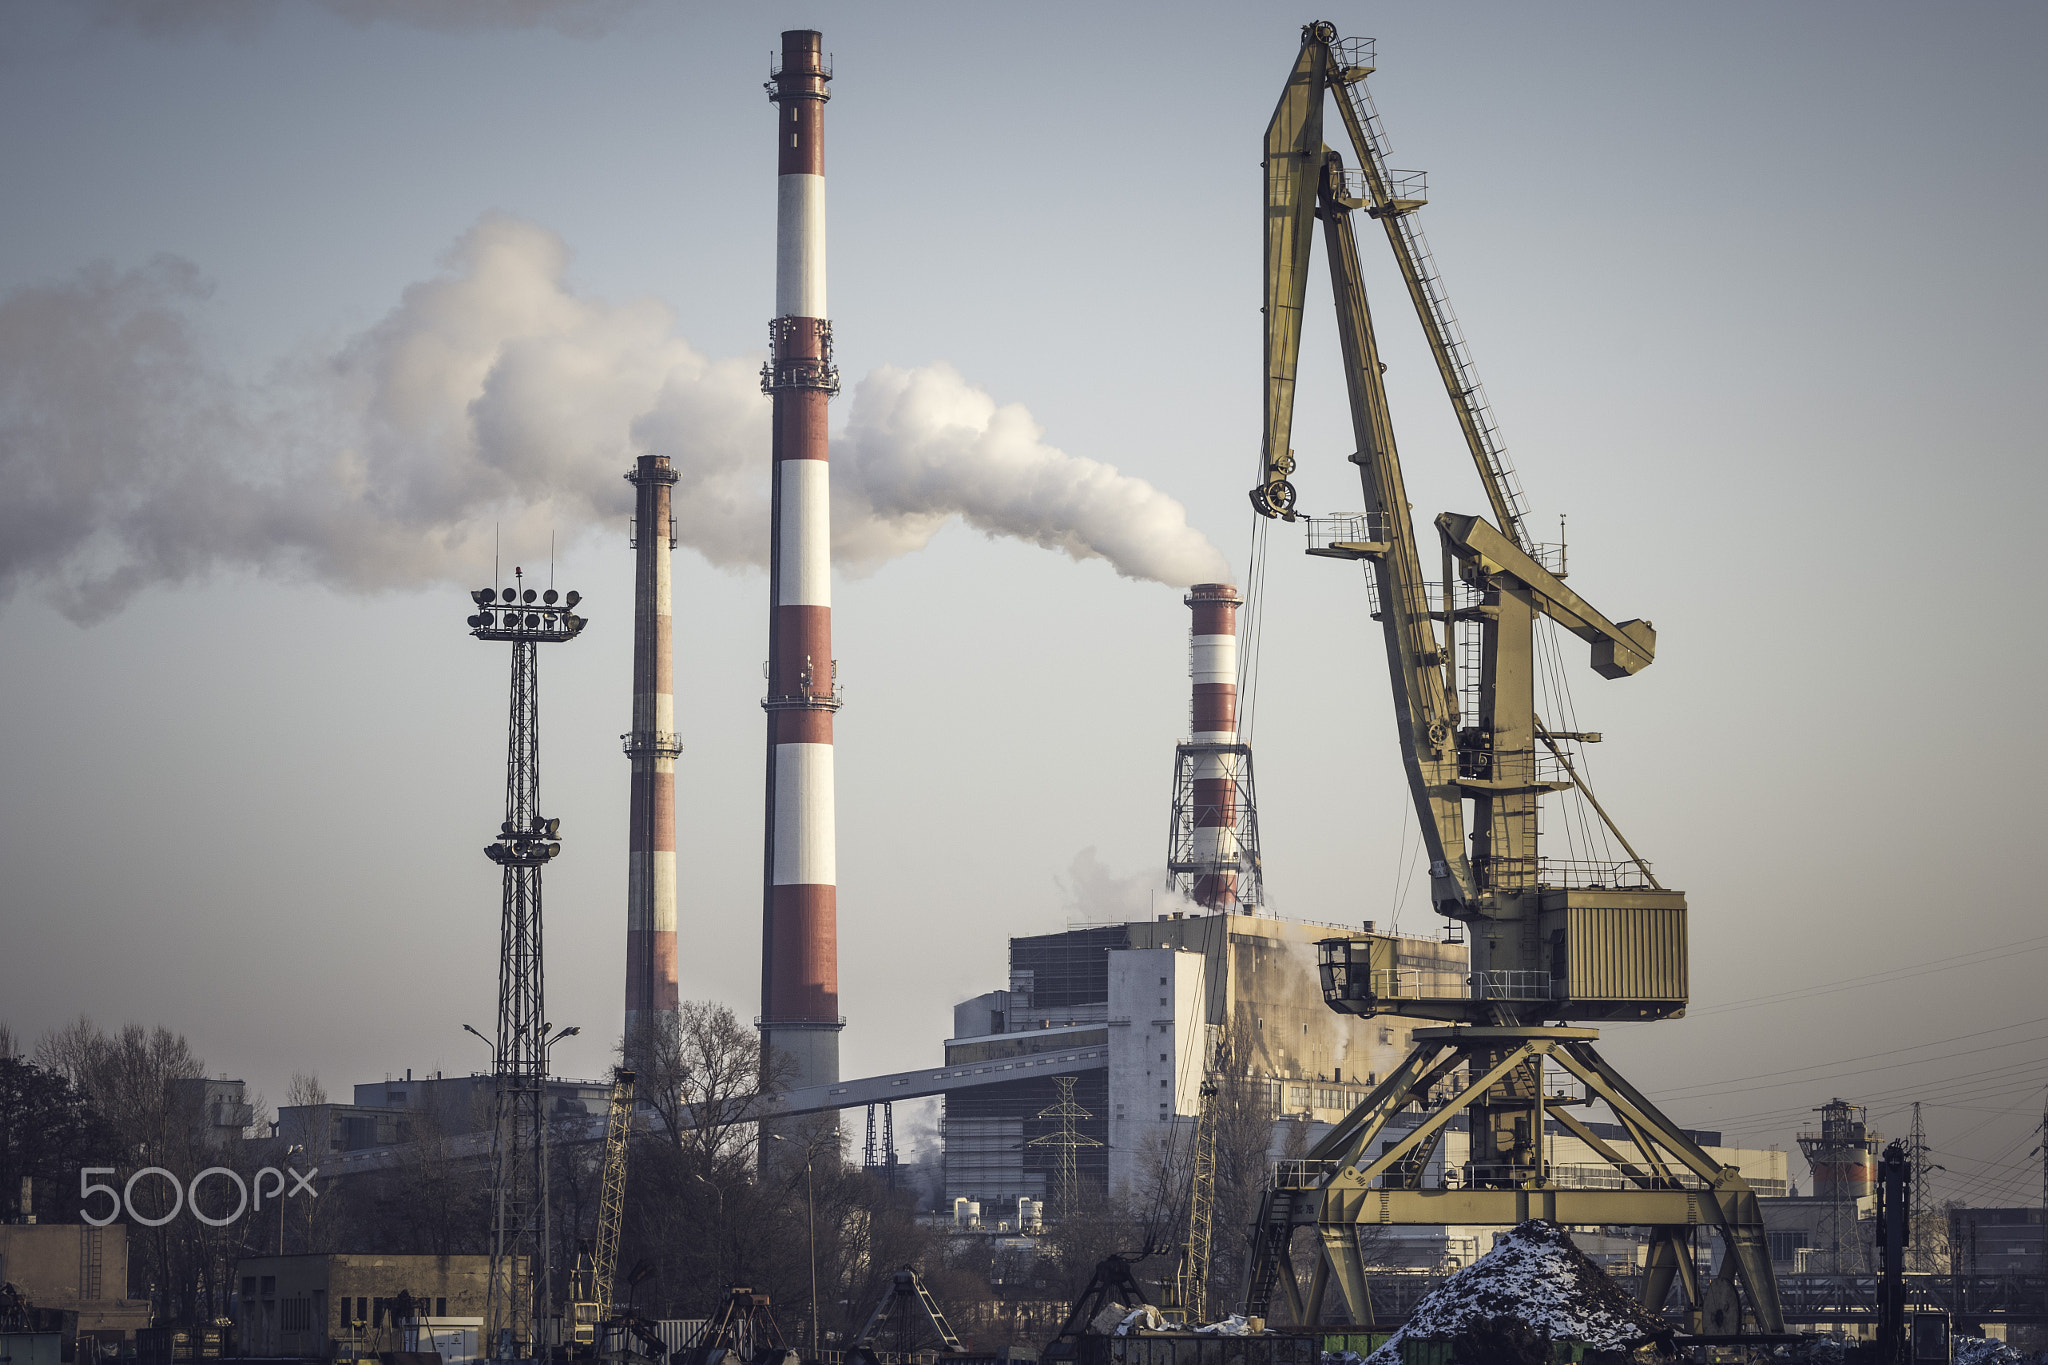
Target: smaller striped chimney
{"type": "Point", "coordinates": [1215, 856]}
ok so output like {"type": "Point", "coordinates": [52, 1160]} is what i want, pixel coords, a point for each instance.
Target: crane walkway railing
{"type": "Point", "coordinates": [1433, 302]}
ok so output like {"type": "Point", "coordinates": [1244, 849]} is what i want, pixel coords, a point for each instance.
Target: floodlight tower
{"type": "Point", "coordinates": [517, 1302]}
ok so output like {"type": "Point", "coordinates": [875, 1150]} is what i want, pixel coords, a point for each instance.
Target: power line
{"type": "Point", "coordinates": [1974, 958]}
{"type": "Point", "coordinates": [1747, 1082]}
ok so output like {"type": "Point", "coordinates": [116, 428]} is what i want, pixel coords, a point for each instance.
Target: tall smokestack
{"type": "Point", "coordinates": [799, 932]}
{"type": "Point", "coordinates": [1214, 855]}
{"type": "Point", "coordinates": [651, 995]}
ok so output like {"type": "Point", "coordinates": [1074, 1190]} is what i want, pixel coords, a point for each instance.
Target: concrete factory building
{"type": "Point", "coordinates": [1159, 994]}
{"type": "Point", "coordinates": [320, 1306]}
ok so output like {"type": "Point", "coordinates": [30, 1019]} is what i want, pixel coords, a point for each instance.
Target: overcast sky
{"type": "Point", "coordinates": [1756, 290]}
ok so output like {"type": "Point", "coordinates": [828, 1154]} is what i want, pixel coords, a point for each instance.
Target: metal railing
{"type": "Point", "coordinates": [1517, 985]}
{"type": "Point", "coordinates": [1354, 528]}
{"type": "Point", "coordinates": [1416, 983]}
{"type": "Point", "coordinates": [1580, 874]}
{"type": "Point", "coordinates": [1463, 598]}
{"type": "Point", "coordinates": [1405, 190]}
{"type": "Point", "coordinates": [824, 65]}
{"type": "Point", "coordinates": [1302, 1173]}
{"type": "Point", "coordinates": [1524, 768]}
{"type": "Point", "coordinates": [1355, 54]}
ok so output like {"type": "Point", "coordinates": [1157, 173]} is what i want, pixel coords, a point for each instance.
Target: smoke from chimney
{"type": "Point", "coordinates": [491, 393]}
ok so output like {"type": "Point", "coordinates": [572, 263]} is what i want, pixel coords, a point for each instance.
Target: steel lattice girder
{"type": "Point", "coordinates": [1345, 1197]}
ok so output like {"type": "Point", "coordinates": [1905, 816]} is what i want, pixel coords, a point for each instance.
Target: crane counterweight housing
{"type": "Point", "coordinates": [1556, 943]}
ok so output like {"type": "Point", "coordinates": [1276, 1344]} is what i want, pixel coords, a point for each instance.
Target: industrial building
{"type": "Point", "coordinates": [220, 1105]}
{"type": "Point", "coordinates": [76, 1268]}
{"type": "Point", "coordinates": [392, 1111]}
{"type": "Point", "coordinates": [1158, 996]}
{"type": "Point", "coordinates": [316, 1306]}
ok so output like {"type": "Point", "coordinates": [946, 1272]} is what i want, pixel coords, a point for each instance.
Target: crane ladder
{"type": "Point", "coordinates": [1426, 288]}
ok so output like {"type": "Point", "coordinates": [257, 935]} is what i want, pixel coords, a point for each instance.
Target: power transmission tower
{"type": "Point", "coordinates": [518, 1299]}
{"type": "Point", "coordinates": [1917, 1156]}
{"type": "Point", "coordinates": [1065, 1141]}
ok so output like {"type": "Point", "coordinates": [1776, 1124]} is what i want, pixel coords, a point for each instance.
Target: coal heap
{"type": "Point", "coordinates": [1535, 1287]}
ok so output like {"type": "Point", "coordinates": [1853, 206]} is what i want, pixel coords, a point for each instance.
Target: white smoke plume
{"type": "Point", "coordinates": [239, 18]}
{"type": "Point", "coordinates": [490, 394]}
{"type": "Point", "coordinates": [1093, 892]}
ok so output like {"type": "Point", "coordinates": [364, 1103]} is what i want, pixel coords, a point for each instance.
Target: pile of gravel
{"type": "Point", "coordinates": [1983, 1351]}
{"type": "Point", "coordinates": [1533, 1288]}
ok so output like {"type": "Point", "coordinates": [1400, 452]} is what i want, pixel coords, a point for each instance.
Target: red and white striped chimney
{"type": "Point", "coordinates": [1212, 661]}
{"type": "Point", "coordinates": [799, 939]}
{"type": "Point", "coordinates": [651, 995]}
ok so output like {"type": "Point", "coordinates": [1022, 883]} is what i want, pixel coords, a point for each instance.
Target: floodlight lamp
{"type": "Point", "coordinates": [529, 595]}
{"type": "Point", "coordinates": [554, 850]}
{"type": "Point", "coordinates": [573, 598]}
{"type": "Point", "coordinates": [482, 595]}
{"type": "Point", "coordinates": [475, 621]}
{"type": "Point", "coordinates": [532, 620]}
{"type": "Point", "coordinates": [554, 827]}
{"type": "Point", "coordinates": [549, 597]}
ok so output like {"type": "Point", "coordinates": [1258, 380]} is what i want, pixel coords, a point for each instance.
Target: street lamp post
{"type": "Point", "coordinates": [811, 1222]}
{"type": "Point", "coordinates": [289, 1153]}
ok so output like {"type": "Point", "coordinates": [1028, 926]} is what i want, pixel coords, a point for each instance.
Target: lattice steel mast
{"type": "Point", "coordinates": [518, 1300]}
{"type": "Point", "coordinates": [1066, 1141]}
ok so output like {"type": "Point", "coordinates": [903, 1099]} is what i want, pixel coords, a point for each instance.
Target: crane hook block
{"type": "Point", "coordinates": [1275, 499]}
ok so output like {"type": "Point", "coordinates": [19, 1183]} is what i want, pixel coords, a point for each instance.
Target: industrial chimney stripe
{"type": "Point", "coordinates": [1212, 662]}
{"type": "Point", "coordinates": [651, 989]}
{"type": "Point", "coordinates": [800, 246]}
{"type": "Point", "coordinates": [799, 942]}
{"type": "Point", "coordinates": [806, 534]}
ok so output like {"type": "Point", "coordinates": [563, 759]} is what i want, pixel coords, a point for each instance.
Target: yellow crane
{"type": "Point", "coordinates": [1556, 943]}
{"type": "Point", "coordinates": [1191, 1279]}
{"type": "Point", "coordinates": [591, 1293]}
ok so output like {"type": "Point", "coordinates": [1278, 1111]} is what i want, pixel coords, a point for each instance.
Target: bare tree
{"type": "Point", "coordinates": [705, 1075]}
{"type": "Point", "coordinates": [133, 1078]}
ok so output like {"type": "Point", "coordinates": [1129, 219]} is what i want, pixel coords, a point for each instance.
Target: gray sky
{"type": "Point", "coordinates": [1755, 289]}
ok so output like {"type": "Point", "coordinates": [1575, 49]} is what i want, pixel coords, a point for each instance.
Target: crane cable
{"type": "Point", "coordinates": [1251, 620]}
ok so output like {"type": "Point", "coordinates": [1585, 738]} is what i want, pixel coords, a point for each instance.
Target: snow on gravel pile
{"type": "Point", "coordinates": [1982, 1351]}
{"type": "Point", "coordinates": [1534, 1284]}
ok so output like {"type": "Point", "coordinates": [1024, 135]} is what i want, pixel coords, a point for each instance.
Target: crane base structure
{"type": "Point", "coordinates": [1355, 1177]}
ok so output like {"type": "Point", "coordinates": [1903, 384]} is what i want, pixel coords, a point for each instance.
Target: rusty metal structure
{"type": "Point", "coordinates": [1212, 853]}
{"type": "Point", "coordinates": [518, 1309]}
{"type": "Point", "coordinates": [652, 746]}
{"type": "Point", "coordinates": [1556, 943]}
{"type": "Point", "coordinates": [799, 937]}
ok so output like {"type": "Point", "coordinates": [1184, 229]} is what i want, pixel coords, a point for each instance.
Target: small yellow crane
{"type": "Point", "coordinates": [591, 1294]}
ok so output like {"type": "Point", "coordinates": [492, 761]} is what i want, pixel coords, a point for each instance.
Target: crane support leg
{"type": "Point", "coordinates": [1669, 1257]}
{"type": "Point", "coordinates": [1341, 1253]}
{"type": "Point", "coordinates": [1353, 1179]}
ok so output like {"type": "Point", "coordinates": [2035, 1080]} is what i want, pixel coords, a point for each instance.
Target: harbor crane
{"type": "Point", "coordinates": [1557, 945]}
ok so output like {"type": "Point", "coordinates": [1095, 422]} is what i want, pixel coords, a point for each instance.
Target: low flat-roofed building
{"type": "Point", "coordinates": [75, 1267]}
{"type": "Point", "coordinates": [308, 1305]}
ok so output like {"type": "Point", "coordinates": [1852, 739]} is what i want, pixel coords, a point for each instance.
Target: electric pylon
{"type": "Point", "coordinates": [1065, 1141]}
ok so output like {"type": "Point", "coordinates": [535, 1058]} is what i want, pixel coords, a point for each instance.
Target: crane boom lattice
{"type": "Point", "coordinates": [611, 1197]}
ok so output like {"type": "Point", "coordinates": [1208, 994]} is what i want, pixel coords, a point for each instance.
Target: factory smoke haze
{"type": "Point", "coordinates": [492, 393]}
{"type": "Point", "coordinates": [172, 19]}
